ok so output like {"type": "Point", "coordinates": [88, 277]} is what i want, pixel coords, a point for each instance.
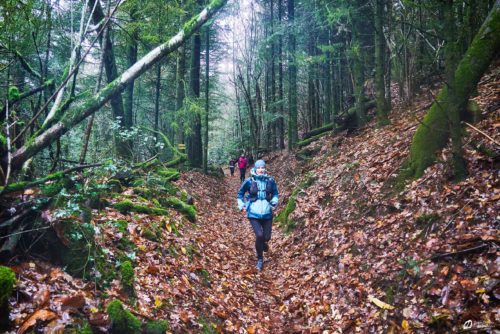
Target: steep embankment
{"type": "Point", "coordinates": [429, 250]}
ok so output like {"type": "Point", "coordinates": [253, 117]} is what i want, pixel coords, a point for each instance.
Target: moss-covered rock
{"type": "Point", "coordinates": [7, 283]}
{"type": "Point", "coordinates": [144, 192]}
{"type": "Point", "coordinates": [157, 327]}
{"type": "Point", "coordinates": [169, 174]}
{"type": "Point", "coordinates": [79, 246]}
{"type": "Point", "coordinates": [122, 321]}
{"type": "Point", "coordinates": [128, 276]}
{"type": "Point", "coordinates": [187, 210]}
{"type": "Point", "coordinates": [115, 185]}
{"type": "Point", "coordinates": [282, 218]}
{"type": "Point", "coordinates": [127, 206]}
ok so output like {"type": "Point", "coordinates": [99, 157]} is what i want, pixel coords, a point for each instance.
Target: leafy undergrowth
{"type": "Point", "coordinates": [356, 255]}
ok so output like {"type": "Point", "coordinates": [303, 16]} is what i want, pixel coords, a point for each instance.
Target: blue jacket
{"type": "Point", "coordinates": [261, 208]}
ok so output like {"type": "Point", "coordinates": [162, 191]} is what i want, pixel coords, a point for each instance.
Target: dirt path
{"type": "Point", "coordinates": [245, 297]}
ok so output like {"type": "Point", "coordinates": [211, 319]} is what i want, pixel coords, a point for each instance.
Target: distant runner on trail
{"type": "Point", "coordinates": [242, 165]}
{"type": "Point", "coordinates": [261, 199]}
{"type": "Point", "coordinates": [232, 164]}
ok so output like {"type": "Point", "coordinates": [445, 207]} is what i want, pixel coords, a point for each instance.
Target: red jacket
{"type": "Point", "coordinates": [242, 162]}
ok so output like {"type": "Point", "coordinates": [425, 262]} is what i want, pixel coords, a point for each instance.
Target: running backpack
{"type": "Point", "coordinates": [254, 190]}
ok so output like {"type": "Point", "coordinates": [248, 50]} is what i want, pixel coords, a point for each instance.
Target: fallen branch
{"type": "Point", "coordinates": [21, 186]}
{"type": "Point", "coordinates": [481, 132]}
{"type": "Point", "coordinates": [458, 253]}
{"type": "Point", "coordinates": [144, 163]}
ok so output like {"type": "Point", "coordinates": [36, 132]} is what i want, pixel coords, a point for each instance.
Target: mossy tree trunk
{"type": "Point", "coordinates": [433, 133]}
{"type": "Point", "coordinates": [454, 105]}
{"type": "Point", "coordinates": [180, 93]}
{"type": "Point", "coordinates": [90, 105]}
{"type": "Point", "coordinates": [380, 68]}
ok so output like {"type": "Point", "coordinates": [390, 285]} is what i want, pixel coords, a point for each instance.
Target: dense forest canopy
{"type": "Point", "coordinates": [279, 70]}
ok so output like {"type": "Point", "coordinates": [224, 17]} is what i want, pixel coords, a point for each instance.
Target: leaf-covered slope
{"type": "Point", "coordinates": [362, 257]}
{"type": "Point", "coordinates": [429, 250]}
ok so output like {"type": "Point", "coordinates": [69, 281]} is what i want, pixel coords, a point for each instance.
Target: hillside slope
{"type": "Point", "coordinates": [429, 250]}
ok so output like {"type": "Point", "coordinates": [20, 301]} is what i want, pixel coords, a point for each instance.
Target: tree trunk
{"type": "Point", "coordinates": [111, 74]}
{"type": "Point", "coordinates": [180, 93]}
{"type": "Point", "coordinates": [194, 144]}
{"type": "Point", "coordinates": [358, 63]}
{"type": "Point", "coordinates": [207, 91]}
{"type": "Point", "coordinates": [90, 105]}
{"type": "Point", "coordinates": [452, 53]}
{"type": "Point", "coordinates": [281, 122]}
{"type": "Point", "coordinates": [433, 133]}
{"type": "Point", "coordinates": [129, 91]}
{"type": "Point", "coordinates": [292, 79]}
{"type": "Point", "coordinates": [382, 105]}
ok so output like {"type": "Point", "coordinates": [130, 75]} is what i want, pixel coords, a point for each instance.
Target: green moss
{"type": "Point", "coordinates": [174, 162]}
{"type": "Point", "coordinates": [127, 206]}
{"type": "Point", "coordinates": [144, 192]}
{"type": "Point", "coordinates": [14, 187]}
{"type": "Point", "coordinates": [425, 219]}
{"type": "Point", "coordinates": [81, 328]}
{"type": "Point", "coordinates": [3, 140]}
{"type": "Point", "coordinates": [106, 269]}
{"type": "Point", "coordinates": [282, 218]}
{"type": "Point", "coordinates": [52, 189]}
{"type": "Point", "coordinates": [138, 183]}
{"type": "Point", "coordinates": [14, 93]}
{"type": "Point", "coordinates": [122, 321]}
{"type": "Point", "coordinates": [184, 195]}
{"type": "Point", "coordinates": [121, 225]}
{"type": "Point", "coordinates": [7, 283]}
{"type": "Point", "coordinates": [433, 133]}
{"type": "Point", "coordinates": [217, 3]}
{"type": "Point", "coordinates": [169, 174]}
{"type": "Point", "coordinates": [187, 210]}
{"type": "Point", "coordinates": [205, 275]}
{"type": "Point", "coordinates": [115, 185]}
{"type": "Point", "coordinates": [126, 245]}
{"type": "Point", "coordinates": [189, 25]}
{"type": "Point", "coordinates": [429, 137]}
{"type": "Point", "coordinates": [311, 139]}
{"type": "Point", "coordinates": [128, 276]}
{"type": "Point", "coordinates": [152, 232]}
{"type": "Point", "coordinates": [76, 256]}
{"type": "Point", "coordinates": [157, 327]}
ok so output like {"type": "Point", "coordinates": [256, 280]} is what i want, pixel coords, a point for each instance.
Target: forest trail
{"type": "Point", "coordinates": [231, 255]}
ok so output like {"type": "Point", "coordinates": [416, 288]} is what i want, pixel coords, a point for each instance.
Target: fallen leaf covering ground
{"type": "Point", "coordinates": [363, 258]}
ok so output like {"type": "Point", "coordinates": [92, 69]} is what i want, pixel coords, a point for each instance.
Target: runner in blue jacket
{"type": "Point", "coordinates": [261, 198]}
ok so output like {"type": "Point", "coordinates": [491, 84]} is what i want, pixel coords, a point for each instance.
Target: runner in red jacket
{"type": "Point", "coordinates": [242, 165]}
